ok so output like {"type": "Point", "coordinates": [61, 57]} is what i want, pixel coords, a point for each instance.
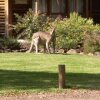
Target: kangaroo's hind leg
{"type": "Point", "coordinates": [31, 47]}
{"type": "Point", "coordinates": [36, 44]}
{"type": "Point", "coordinates": [47, 47]}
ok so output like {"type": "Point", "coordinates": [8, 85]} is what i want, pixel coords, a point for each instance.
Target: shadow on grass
{"type": "Point", "coordinates": [44, 80]}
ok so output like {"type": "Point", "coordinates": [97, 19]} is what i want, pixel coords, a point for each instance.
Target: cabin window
{"type": "Point", "coordinates": [77, 6]}
{"type": "Point", "coordinates": [72, 5]}
{"type": "Point", "coordinates": [21, 2]}
{"type": "Point", "coordinates": [42, 5]}
{"type": "Point", "coordinates": [58, 6]}
{"type": "Point", "coordinates": [33, 5]}
{"type": "Point", "coordinates": [80, 7]}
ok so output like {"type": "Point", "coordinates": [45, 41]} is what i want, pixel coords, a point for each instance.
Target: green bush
{"type": "Point", "coordinates": [30, 23]}
{"type": "Point", "coordinates": [9, 43]}
{"type": "Point", "coordinates": [92, 42]}
{"type": "Point", "coordinates": [70, 31]}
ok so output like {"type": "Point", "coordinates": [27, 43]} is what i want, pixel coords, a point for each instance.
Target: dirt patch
{"type": "Point", "coordinates": [67, 95]}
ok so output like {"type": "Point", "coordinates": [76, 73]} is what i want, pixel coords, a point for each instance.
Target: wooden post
{"type": "Point", "coordinates": [61, 76]}
{"type": "Point", "coordinates": [36, 6]}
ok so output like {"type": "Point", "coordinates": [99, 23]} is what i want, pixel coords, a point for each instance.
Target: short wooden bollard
{"type": "Point", "coordinates": [61, 76]}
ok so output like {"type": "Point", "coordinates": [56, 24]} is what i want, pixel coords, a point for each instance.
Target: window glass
{"type": "Point", "coordinates": [58, 6]}
{"type": "Point", "coordinates": [76, 5]}
{"type": "Point", "coordinates": [80, 6]}
{"type": "Point", "coordinates": [42, 5]}
{"type": "Point", "coordinates": [20, 1]}
{"type": "Point", "coordinates": [33, 5]}
{"type": "Point", "coordinates": [72, 5]}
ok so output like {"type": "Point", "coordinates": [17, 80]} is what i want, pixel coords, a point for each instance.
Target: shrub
{"type": "Point", "coordinates": [30, 23]}
{"type": "Point", "coordinates": [92, 42]}
{"type": "Point", "coordinates": [70, 31]}
{"type": "Point", "coordinates": [9, 43]}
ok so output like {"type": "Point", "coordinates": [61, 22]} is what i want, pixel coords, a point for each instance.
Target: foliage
{"type": "Point", "coordinates": [91, 42]}
{"type": "Point", "coordinates": [9, 43]}
{"type": "Point", "coordinates": [30, 23]}
{"type": "Point", "coordinates": [70, 31]}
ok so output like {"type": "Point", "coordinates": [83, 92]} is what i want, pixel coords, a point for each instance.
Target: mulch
{"type": "Point", "coordinates": [66, 95]}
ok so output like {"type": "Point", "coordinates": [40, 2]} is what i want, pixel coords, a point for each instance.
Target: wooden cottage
{"type": "Point", "coordinates": [86, 8]}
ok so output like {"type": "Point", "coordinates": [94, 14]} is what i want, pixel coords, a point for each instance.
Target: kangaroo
{"type": "Point", "coordinates": [43, 38]}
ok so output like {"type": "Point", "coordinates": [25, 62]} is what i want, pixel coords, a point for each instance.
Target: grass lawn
{"type": "Point", "coordinates": [22, 72]}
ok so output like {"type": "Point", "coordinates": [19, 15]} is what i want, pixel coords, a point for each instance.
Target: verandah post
{"type": "Point", "coordinates": [36, 6]}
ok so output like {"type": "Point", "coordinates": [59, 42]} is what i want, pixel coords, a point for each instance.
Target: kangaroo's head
{"type": "Point", "coordinates": [52, 30]}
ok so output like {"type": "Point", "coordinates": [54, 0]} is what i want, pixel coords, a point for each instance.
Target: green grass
{"type": "Point", "coordinates": [21, 72]}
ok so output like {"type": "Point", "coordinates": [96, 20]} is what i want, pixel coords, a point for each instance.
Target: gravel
{"type": "Point", "coordinates": [67, 95]}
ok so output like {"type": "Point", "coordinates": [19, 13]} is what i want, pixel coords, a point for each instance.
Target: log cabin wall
{"type": "Point", "coordinates": [2, 17]}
